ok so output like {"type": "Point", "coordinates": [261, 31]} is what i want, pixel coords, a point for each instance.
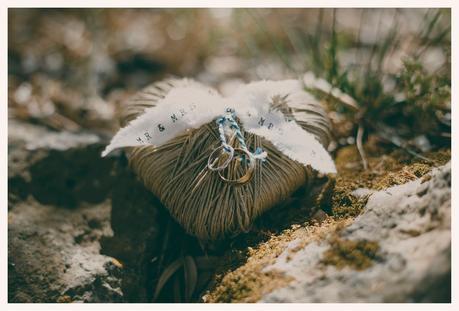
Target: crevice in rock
{"type": "Point", "coordinates": [67, 178]}
{"type": "Point", "coordinates": [136, 226]}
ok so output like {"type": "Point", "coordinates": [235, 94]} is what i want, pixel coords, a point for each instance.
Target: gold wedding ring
{"type": "Point", "coordinates": [249, 173]}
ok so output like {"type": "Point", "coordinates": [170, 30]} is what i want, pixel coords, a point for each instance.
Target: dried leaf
{"type": "Point", "coordinates": [166, 275]}
{"type": "Point", "coordinates": [177, 289]}
{"type": "Point", "coordinates": [191, 276]}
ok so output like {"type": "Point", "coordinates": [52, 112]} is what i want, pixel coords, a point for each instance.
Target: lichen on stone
{"type": "Point", "coordinates": [356, 254]}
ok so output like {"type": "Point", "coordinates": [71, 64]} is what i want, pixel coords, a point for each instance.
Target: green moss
{"type": "Point", "coordinates": [248, 282]}
{"type": "Point", "coordinates": [386, 169]}
{"type": "Point", "coordinates": [247, 286]}
{"type": "Point", "coordinates": [358, 255]}
{"type": "Point", "coordinates": [346, 205]}
{"type": "Point", "coordinates": [64, 299]}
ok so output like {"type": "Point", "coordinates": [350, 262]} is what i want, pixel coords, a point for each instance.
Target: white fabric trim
{"type": "Point", "coordinates": [191, 107]}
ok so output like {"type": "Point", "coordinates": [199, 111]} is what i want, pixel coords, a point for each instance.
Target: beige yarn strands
{"type": "Point", "coordinates": [196, 197]}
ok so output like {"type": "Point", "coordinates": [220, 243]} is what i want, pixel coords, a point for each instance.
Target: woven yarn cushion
{"type": "Point", "coordinates": [213, 209]}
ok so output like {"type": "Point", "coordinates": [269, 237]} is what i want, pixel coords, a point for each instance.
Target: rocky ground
{"type": "Point", "coordinates": [70, 232]}
{"type": "Point", "coordinates": [397, 250]}
{"type": "Point", "coordinates": [82, 229]}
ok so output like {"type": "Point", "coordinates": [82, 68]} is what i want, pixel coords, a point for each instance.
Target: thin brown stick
{"type": "Point", "coordinates": [359, 144]}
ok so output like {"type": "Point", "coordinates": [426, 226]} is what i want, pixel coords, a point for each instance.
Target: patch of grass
{"type": "Point", "coordinates": [396, 102]}
{"type": "Point", "coordinates": [418, 103]}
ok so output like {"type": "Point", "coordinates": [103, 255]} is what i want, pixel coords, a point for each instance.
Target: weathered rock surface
{"type": "Point", "coordinates": [80, 228]}
{"type": "Point", "coordinates": [56, 168]}
{"type": "Point", "coordinates": [54, 254]}
{"type": "Point", "coordinates": [57, 216]}
{"type": "Point", "coordinates": [403, 242]}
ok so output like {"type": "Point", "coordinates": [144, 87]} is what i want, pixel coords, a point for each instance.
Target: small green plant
{"type": "Point", "coordinates": [398, 106]}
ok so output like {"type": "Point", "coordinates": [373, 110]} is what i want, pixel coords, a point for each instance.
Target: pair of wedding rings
{"type": "Point", "coordinates": [217, 163]}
